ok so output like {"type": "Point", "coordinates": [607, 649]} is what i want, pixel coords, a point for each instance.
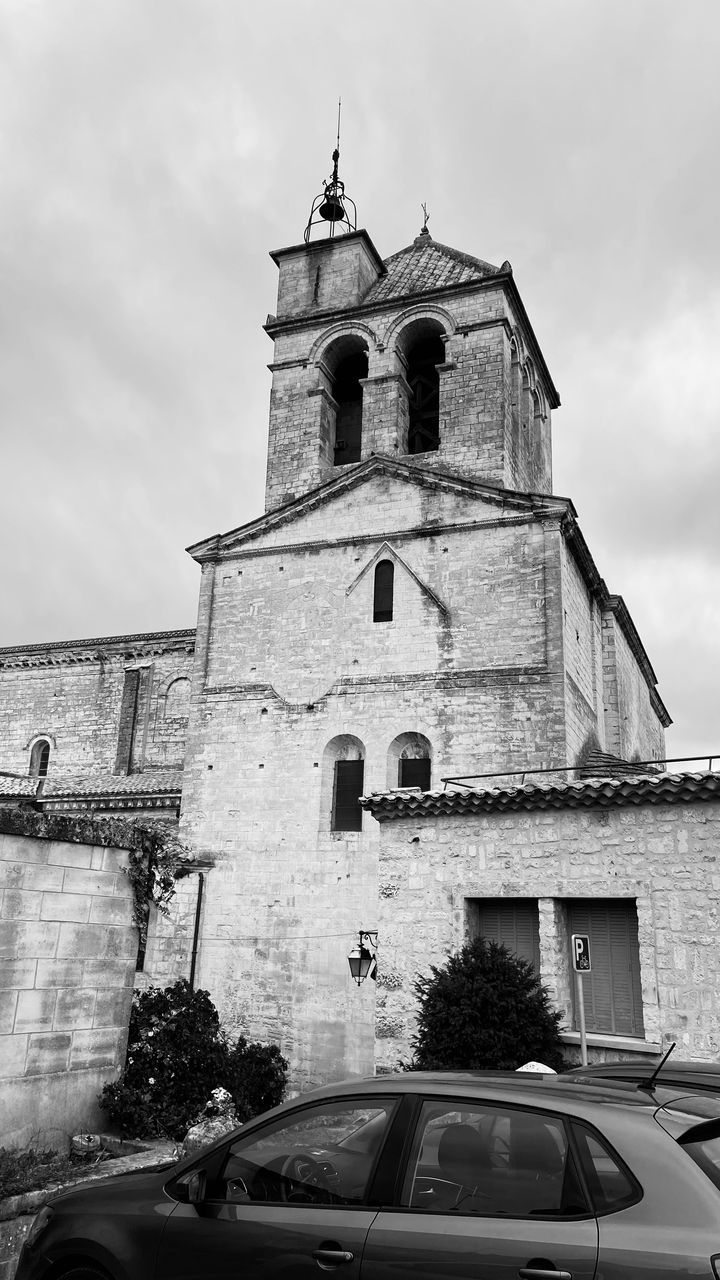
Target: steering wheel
{"type": "Point", "coordinates": [306, 1171]}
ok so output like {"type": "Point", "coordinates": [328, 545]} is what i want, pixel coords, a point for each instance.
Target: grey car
{"type": "Point", "coordinates": [450, 1177]}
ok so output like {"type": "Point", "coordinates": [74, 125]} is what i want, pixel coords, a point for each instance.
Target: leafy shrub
{"type": "Point", "coordinates": [177, 1054]}
{"type": "Point", "coordinates": [257, 1075]}
{"type": "Point", "coordinates": [484, 1008]}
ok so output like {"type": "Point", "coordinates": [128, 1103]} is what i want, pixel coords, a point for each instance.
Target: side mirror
{"type": "Point", "coordinates": [191, 1187]}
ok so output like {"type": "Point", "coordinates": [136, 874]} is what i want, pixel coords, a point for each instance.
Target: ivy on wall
{"type": "Point", "coordinates": [153, 863]}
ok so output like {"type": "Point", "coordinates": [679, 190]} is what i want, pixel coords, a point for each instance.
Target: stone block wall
{"type": "Point", "coordinates": [68, 953]}
{"type": "Point", "coordinates": [75, 696]}
{"type": "Point", "coordinates": [478, 437]}
{"type": "Point", "coordinates": [662, 856]}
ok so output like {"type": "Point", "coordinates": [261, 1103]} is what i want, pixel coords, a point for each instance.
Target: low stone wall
{"type": "Point", "coordinates": [67, 966]}
{"type": "Point", "coordinates": [17, 1213]}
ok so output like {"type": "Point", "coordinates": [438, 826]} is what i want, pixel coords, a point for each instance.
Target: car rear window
{"type": "Point", "coordinates": [702, 1144]}
{"type": "Point", "coordinates": [611, 1184]}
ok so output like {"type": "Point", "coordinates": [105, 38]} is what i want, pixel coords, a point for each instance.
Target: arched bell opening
{"type": "Point", "coordinates": [346, 365]}
{"type": "Point", "coordinates": [423, 350]}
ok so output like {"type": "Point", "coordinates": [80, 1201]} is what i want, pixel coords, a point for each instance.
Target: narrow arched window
{"type": "Point", "coordinates": [40, 759]}
{"type": "Point", "coordinates": [383, 593]}
{"type": "Point", "coordinates": [347, 393]}
{"type": "Point", "coordinates": [424, 382]}
{"type": "Point", "coordinates": [410, 761]}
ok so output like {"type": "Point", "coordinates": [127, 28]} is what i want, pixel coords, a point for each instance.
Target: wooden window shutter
{"type": "Point", "coordinates": [349, 777]}
{"type": "Point", "coordinates": [612, 993]}
{"type": "Point", "coordinates": [415, 773]}
{"type": "Point", "coordinates": [511, 921]}
{"type": "Point", "coordinates": [383, 594]}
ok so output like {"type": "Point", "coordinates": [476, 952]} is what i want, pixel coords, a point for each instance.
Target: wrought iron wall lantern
{"type": "Point", "coordinates": [363, 957]}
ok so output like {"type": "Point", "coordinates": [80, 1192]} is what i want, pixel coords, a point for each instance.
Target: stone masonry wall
{"type": "Point", "coordinates": [74, 697]}
{"type": "Point", "coordinates": [289, 663]}
{"type": "Point", "coordinates": [663, 856]}
{"type": "Point", "coordinates": [477, 438]}
{"type": "Point", "coordinates": [68, 953]}
{"type": "Point", "coordinates": [582, 643]}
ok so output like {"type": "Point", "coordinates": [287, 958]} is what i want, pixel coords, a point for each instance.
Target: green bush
{"type": "Point", "coordinates": [484, 1009]}
{"type": "Point", "coordinates": [177, 1054]}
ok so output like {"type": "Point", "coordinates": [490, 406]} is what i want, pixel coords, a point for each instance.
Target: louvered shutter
{"type": "Point", "coordinates": [347, 814]}
{"type": "Point", "coordinates": [611, 991]}
{"type": "Point", "coordinates": [512, 921]}
{"type": "Point", "coordinates": [415, 773]}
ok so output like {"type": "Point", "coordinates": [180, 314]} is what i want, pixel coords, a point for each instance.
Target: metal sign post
{"type": "Point", "coordinates": [581, 964]}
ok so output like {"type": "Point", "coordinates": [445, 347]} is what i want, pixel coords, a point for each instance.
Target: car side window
{"type": "Point", "coordinates": [490, 1160]}
{"type": "Point", "coordinates": [611, 1184]}
{"type": "Point", "coordinates": [323, 1154]}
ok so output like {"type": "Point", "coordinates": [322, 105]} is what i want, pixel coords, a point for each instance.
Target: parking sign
{"type": "Point", "coordinates": [581, 953]}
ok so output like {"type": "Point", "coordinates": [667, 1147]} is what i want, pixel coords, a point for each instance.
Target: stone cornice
{"type": "Point", "coordinates": [77, 652]}
{"type": "Point", "coordinates": [507, 500]}
{"type": "Point", "coordinates": [468, 678]}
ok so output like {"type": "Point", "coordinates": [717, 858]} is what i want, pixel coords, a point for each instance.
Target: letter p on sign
{"type": "Point", "coordinates": [581, 952]}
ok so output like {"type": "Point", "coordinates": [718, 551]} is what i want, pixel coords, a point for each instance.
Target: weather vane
{"type": "Point", "coordinates": [426, 218]}
{"type": "Point", "coordinates": [332, 205]}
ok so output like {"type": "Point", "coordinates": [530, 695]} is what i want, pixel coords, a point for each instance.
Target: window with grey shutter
{"type": "Point", "coordinates": [346, 812]}
{"type": "Point", "coordinates": [611, 991]}
{"type": "Point", "coordinates": [511, 921]}
{"type": "Point", "coordinates": [414, 773]}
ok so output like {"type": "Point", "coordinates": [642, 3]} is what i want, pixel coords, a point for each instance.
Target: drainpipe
{"type": "Point", "coordinates": [196, 931]}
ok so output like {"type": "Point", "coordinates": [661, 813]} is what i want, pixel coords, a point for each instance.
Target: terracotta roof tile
{"type": "Point", "coordinates": [661, 788]}
{"type": "Point", "coordinates": [98, 785]}
{"type": "Point", "coordinates": [424, 266]}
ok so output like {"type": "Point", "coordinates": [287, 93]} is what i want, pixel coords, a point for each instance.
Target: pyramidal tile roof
{"type": "Point", "coordinates": [426, 265]}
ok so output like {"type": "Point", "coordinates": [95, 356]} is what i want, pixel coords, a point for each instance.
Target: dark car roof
{"type": "Point", "coordinates": [566, 1092]}
{"type": "Point", "coordinates": [704, 1076]}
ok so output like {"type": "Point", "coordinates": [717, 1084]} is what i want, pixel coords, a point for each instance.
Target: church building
{"type": "Point", "coordinates": [415, 611]}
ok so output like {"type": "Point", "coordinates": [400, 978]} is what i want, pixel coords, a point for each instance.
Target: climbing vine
{"type": "Point", "coordinates": [152, 867]}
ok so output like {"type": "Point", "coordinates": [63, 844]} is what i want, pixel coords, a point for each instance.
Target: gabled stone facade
{"type": "Point", "coordinates": [414, 604]}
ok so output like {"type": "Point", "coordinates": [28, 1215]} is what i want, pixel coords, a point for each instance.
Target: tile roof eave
{"type": "Point", "coordinates": [683, 788]}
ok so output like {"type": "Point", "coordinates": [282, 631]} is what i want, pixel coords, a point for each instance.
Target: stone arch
{"type": "Point", "coordinates": [343, 776]}
{"type": "Point", "coordinates": [176, 698]}
{"type": "Point", "coordinates": [39, 761]}
{"type": "Point", "coordinates": [343, 365]}
{"type": "Point", "coordinates": [411, 747]}
{"type": "Point", "coordinates": [419, 339]}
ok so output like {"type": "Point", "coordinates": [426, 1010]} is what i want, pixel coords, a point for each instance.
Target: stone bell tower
{"type": "Point", "coordinates": [427, 355]}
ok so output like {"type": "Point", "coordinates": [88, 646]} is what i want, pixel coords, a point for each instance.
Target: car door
{"type": "Point", "coordinates": [490, 1193]}
{"type": "Point", "coordinates": [288, 1199]}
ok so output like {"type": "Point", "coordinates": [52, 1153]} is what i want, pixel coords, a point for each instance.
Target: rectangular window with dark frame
{"type": "Point", "coordinates": [348, 787]}
{"type": "Point", "coordinates": [511, 921]}
{"type": "Point", "coordinates": [612, 994]}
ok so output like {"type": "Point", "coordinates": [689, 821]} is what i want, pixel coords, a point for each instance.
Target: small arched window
{"type": "Point", "coordinates": [384, 591]}
{"type": "Point", "coordinates": [347, 393]}
{"type": "Point", "coordinates": [423, 378]}
{"type": "Point", "coordinates": [410, 761]}
{"type": "Point", "coordinates": [40, 758]}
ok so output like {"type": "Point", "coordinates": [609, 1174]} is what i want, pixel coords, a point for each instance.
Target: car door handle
{"type": "Point", "coordinates": [539, 1273]}
{"type": "Point", "coordinates": [332, 1257]}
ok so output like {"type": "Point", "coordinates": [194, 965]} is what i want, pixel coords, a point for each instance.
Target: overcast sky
{"type": "Point", "coordinates": [154, 151]}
